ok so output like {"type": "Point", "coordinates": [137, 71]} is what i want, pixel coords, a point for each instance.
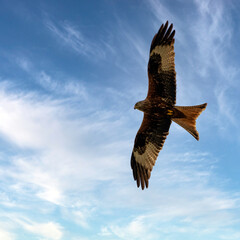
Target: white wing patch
{"type": "Point", "coordinates": [148, 158]}
{"type": "Point", "coordinates": [167, 56]}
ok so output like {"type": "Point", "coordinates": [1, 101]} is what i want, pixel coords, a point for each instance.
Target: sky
{"type": "Point", "coordinates": [70, 74]}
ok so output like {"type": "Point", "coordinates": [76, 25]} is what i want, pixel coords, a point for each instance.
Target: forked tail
{"type": "Point", "coordinates": [191, 114]}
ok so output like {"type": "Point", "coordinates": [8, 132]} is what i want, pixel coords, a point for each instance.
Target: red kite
{"type": "Point", "coordinates": [159, 107]}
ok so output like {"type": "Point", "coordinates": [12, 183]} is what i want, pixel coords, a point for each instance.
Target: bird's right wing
{"type": "Point", "coordinates": [148, 142]}
{"type": "Point", "coordinates": [161, 67]}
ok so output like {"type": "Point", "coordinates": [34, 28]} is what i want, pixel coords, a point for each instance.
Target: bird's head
{"type": "Point", "coordinates": [141, 105]}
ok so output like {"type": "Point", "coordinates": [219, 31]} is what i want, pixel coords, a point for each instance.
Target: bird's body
{"type": "Point", "coordinates": [159, 107]}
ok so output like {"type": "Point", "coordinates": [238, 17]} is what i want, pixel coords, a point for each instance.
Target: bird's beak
{"type": "Point", "coordinates": [134, 107]}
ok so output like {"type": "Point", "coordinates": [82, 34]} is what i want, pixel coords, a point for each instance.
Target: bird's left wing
{"type": "Point", "coordinates": [148, 142]}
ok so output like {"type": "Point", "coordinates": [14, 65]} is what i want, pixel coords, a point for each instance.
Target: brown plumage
{"type": "Point", "coordinates": [159, 107]}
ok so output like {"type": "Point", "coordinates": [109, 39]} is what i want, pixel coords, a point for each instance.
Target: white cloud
{"type": "Point", "coordinates": [181, 199]}
{"type": "Point", "coordinates": [48, 230]}
{"type": "Point", "coordinates": [80, 216]}
{"type": "Point", "coordinates": [62, 145]}
{"type": "Point", "coordinates": [23, 122]}
{"type": "Point", "coordinates": [63, 167]}
{"type": "Point", "coordinates": [105, 232]}
{"type": "Point", "coordinates": [4, 235]}
{"type": "Point", "coordinates": [136, 229]}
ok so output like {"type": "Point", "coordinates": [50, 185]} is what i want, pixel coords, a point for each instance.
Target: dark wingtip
{"type": "Point", "coordinates": [140, 174]}
{"type": "Point", "coordinates": [146, 184]}
{"type": "Point", "coordinates": [165, 35]}
{"type": "Point", "coordinates": [172, 35]}
{"type": "Point", "coordinates": [138, 182]}
{"type": "Point", "coordinates": [165, 27]}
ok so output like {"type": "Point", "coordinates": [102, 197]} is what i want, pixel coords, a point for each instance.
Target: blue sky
{"type": "Point", "coordinates": [70, 75]}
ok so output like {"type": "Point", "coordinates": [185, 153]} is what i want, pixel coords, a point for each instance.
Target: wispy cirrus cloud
{"type": "Point", "coordinates": [215, 38]}
{"type": "Point", "coordinates": [134, 44]}
{"type": "Point", "coordinates": [183, 198]}
{"type": "Point", "coordinates": [58, 84]}
{"type": "Point", "coordinates": [55, 136]}
{"type": "Point", "coordinates": [209, 213]}
{"type": "Point", "coordinates": [62, 167]}
{"type": "Point", "coordinates": [72, 37]}
{"type": "Point", "coordinates": [211, 35]}
{"type": "Point", "coordinates": [67, 87]}
{"type": "Point", "coordinates": [56, 161]}
{"type": "Point", "coordinates": [69, 159]}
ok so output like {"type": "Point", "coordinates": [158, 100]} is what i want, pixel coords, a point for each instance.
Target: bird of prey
{"type": "Point", "coordinates": [159, 107]}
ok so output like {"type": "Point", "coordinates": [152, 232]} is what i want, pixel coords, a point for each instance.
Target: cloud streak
{"type": "Point", "coordinates": [49, 230]}
{"type": "Point", "coordinates": [74, 39]}
{"type": "Point", "coordinates": [211, 35]}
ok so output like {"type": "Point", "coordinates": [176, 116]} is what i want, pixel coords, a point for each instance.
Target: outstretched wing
{"type": "Point", "coordinates": [148, 142]}
{"type": "Point", "coordinates": [161, 67]}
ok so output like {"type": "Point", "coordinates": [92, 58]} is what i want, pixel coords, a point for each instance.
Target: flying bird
{"type": "Point", "coordinates": [159, 107]}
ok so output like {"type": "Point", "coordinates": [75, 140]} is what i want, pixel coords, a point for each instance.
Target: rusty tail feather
{"type": "Point", "coordinates": [188, 122]}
